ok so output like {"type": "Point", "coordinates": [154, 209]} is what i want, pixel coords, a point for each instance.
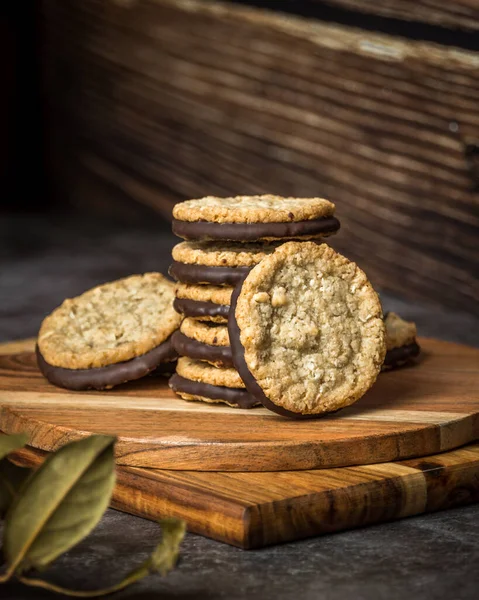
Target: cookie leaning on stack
{"type": "Point", "coordinates": [306, 331]}
{"type": "Point", "coordinates": [111, 334]}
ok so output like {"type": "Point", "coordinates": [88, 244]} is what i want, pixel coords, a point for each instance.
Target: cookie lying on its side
{"type": "Point", "coordinates": [203, 302]}
{"type": "Point", "coordinates": [196, 380]}
{"type": "Point", "coordinates": [254, 218]}
{"type": "Point", "coordinates": [402, 347]}
{"type": "Point", "coordinates": [214, 263]}
{"type": "Point", "coordinates": [202, 341]}
{"type": "Point", "coordinates": [111, 334]}
{"type": "Point", "coordinates": [306, 331]}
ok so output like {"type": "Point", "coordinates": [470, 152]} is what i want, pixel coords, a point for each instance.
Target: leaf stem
{"type": "Point", "coordinates": [6, 576]}
{"type": "Point", "coordinates": [85, 594]}
{"type": "Point", "coordinates": [162, 560]}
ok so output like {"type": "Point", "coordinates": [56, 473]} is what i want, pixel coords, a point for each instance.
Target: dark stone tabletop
{"type": "Point", "coordinates": [431, 557]}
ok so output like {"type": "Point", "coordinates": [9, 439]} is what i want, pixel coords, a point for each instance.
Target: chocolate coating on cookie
{"type": "Point", "coordinates": [198, 309]}
{"type": "Point", "coordinates": [239, 361]}
{"type": "Point", "coordinates": [103, 378]}
{"type": "Point", "coordinates": [237, 396]}
{"type": "Point", "coordinates": [187, 273]}
{"type": "Point", "coordinates": [398, 357]}
{"type": "Point", "coordinates": [218, 355]}
{"type": "Point", "coordinates": [251, 232]}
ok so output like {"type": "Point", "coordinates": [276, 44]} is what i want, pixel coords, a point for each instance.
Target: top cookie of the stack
{"type": "Point", "coordinates": [254, 218]}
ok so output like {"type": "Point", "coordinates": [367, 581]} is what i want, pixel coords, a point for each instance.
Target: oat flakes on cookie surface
{"type": "Point", "coordinates": [214, 254]}
{"type": "Point", "coordinates": [254, 218]}
{"type": "Point", "coordinates": [197, 380]}
{"type": "Point", "coordinates": [306, 330]}
{"type": "Point", "coordinates": [214, 334]}
{"type": "Point", "coordinates": [266, 208]}
{"type": "Point", "coordinates": [205, 293]}
{"type": "Point", "coordinates": [203, 372]}
{"type": "Point", "coordinates": [398, 331]}
{"type": "Point", "coordinates": [207, 263]}
{"type": "Point", "coordinates": [401, 343]}
{"type": "Point", "coordinates": [111, 323]}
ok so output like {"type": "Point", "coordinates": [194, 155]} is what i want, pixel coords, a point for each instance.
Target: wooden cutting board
{"type": "Point", "coordinates": [413, 412]}
{"type": "Point", "coordinates": [251, 510]}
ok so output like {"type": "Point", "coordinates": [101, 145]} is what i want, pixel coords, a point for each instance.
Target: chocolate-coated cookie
{"type": "Point", "coordinates": [203, 302]}
{"type": "Point", "coordinates": [195, 380]}
{"type": "Point", "coordinates": [216, 263]}
{"type": "Point", "coordinates": [254, 218]}
{"type": "Point", "coordinates": [202, 341]}
{"type": "Point", "coordinates": [402, 346]}
{"type": "Point", "coordinates": [112, 333]}
{"type": "Point", "coordinates": [306, 331]}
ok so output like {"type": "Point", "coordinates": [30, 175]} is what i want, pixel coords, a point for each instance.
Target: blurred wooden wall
{"type": "Point", "coordinates": [155, 101]}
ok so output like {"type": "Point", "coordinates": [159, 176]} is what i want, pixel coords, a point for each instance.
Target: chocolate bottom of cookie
{"type": "Point", "coordinates": [217, 355]}
{"type": "Point", "coordinates": [237, 352]}
{"type": "Point", "coordinates": [206, 274]}
{"type": "Point", "coordinates": [398, 357]}
{"type": "Point", "coordinates": [233, 396]}
{"type": "Point", "coordinates": [199, 309]}
{"type": "Point", "coordinates": [104, 378]}
{"type": "Point", "coordinates": [251, 232]}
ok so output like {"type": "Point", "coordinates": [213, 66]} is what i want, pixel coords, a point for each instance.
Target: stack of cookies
{"type": "Point", "coordinates": [292, 326]}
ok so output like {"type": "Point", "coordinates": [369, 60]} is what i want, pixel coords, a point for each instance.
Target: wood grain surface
{"type": "Point", "coordinates": [462, 14]}
{"type": "Point", "coordinates": [161, 100]}
{"type": "Point", "coordinates": [425, 409]}
{"type": "Point", "coordinates": [251, 510]}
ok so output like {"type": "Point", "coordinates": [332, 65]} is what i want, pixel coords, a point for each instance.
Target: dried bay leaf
{"type": "Point", "coordinates": [12, 478]}
{"type": "Point", "coordinates": [162, 560]}
{"type": "Point", "coordinates": [59, 504]}
{"type": "Point", "coordinates": [9, 443]}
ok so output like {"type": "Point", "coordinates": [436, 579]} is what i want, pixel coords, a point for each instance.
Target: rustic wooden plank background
{"type": "Point", "coordinates": [155, 101]}
{"type": "Point", "coordinates": [462, 14]}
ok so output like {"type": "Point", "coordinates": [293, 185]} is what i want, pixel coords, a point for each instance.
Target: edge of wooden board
{"type": "Point", "coordinates": [314, 502]}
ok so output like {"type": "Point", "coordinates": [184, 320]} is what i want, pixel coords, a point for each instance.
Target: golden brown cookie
{"type": "Point", "coordinates": [306, 331]}
{"type": "Point", "coordinates": [216, 263]}
{"type": "Point", "coordinates": [399, 332]}
{"type": "Point", "coordinates": [112, 323]}
{"type": "Point", "coordinates": [203, 302]}
{"type": "Point", "coordinates": [254, 218]}
{"type": "Point", "coordinates": [195, 380]}
{"type": "Point", "coordinates": [206, 333]}
{"type": "Point", "coordinates": [202, 341]}
{"type": "Point", "coordinates": [402, 347]}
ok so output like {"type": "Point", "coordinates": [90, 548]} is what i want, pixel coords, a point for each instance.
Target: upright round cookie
{"type": "Point", "coordinates": [254, 218]}
{"type": "Point", "coordinates": [306, 331]}
{"type": "Point", "coordinates": [113, 333]}
{"type": "Point", "coordinates": [215, 263]}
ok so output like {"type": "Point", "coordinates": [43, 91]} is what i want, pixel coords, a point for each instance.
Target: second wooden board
{"type": "Point", "coordinates": [413, 412]}
{"type": "Point", "coordinates": [251, 510]}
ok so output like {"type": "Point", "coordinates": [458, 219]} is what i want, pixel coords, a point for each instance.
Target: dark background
{"type": "Point", "coordinates": [94, 152]}
{"type": "Point", "coordinates": [112, 111]}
